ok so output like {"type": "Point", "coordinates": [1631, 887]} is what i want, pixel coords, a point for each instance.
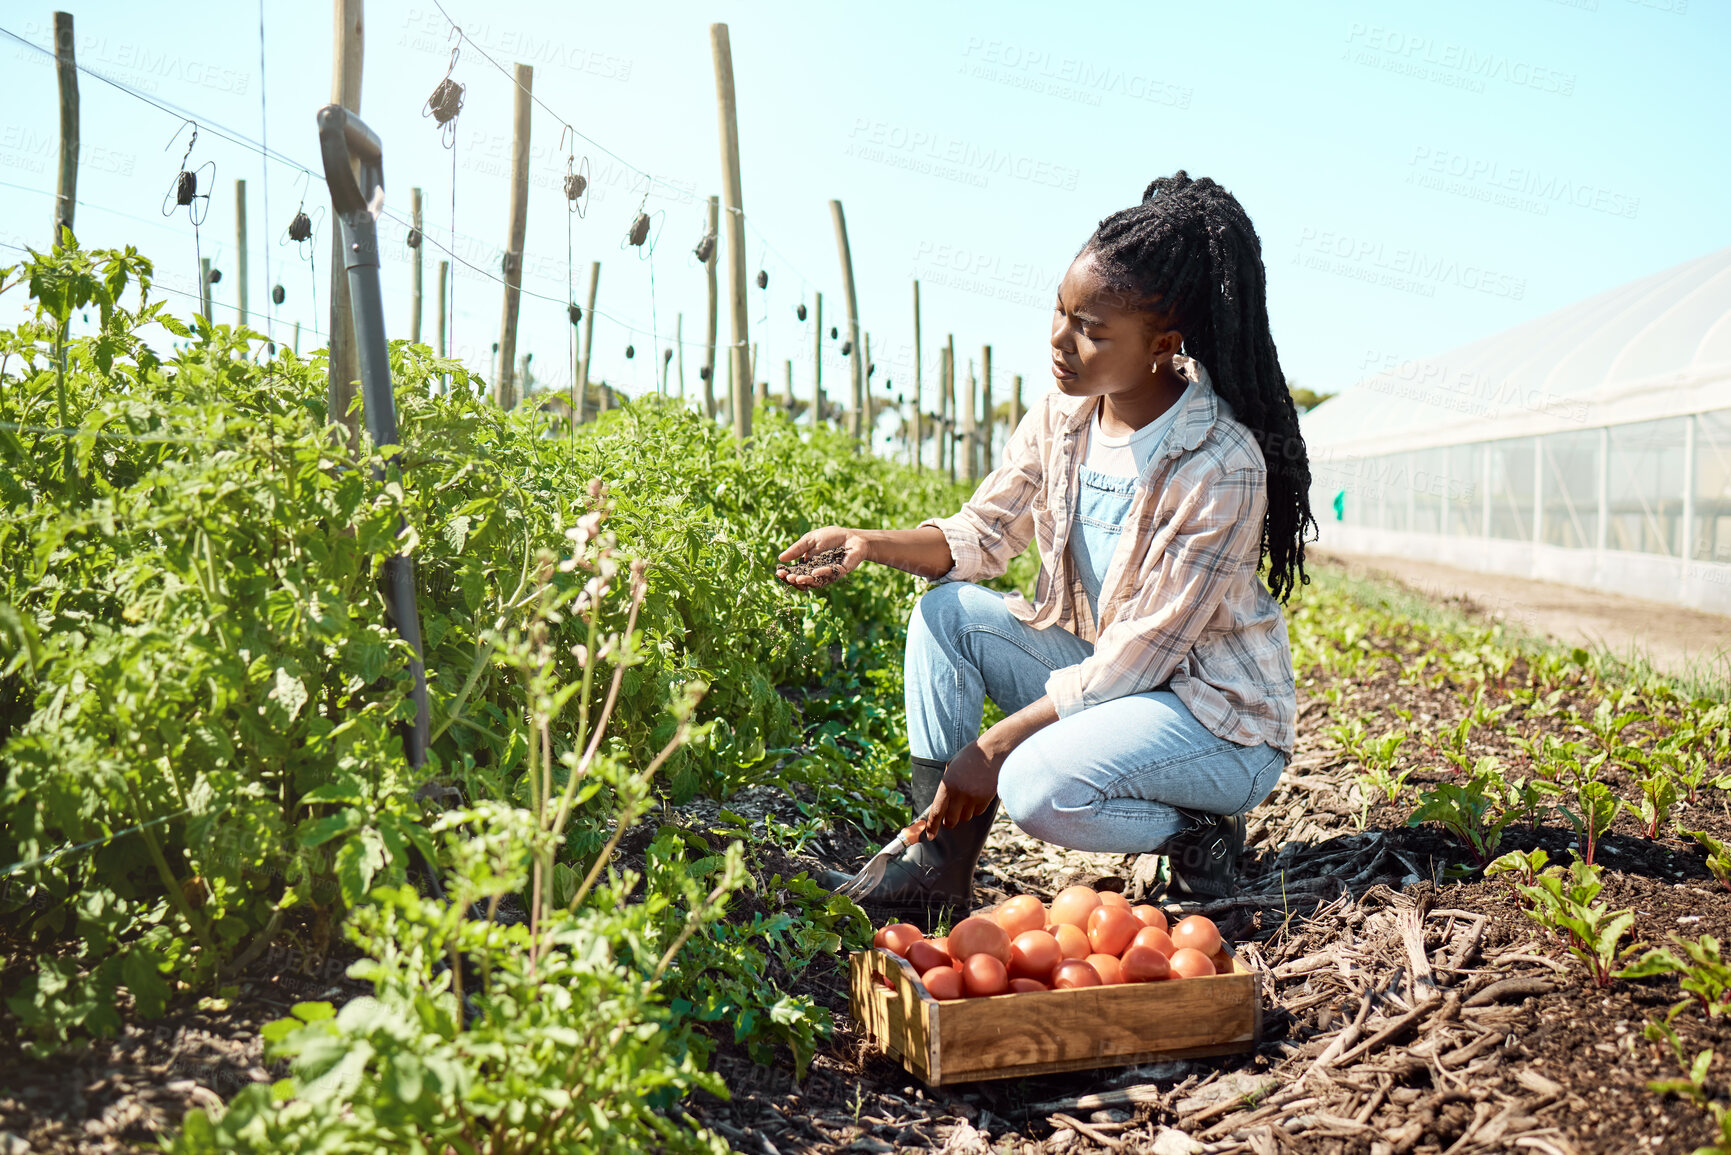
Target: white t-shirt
{"type": "Point", "coordinates": [1127, 456]}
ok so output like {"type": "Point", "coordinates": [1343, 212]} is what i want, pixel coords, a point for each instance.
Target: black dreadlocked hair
{"type": "Point", "coordinates": [1189, 252]}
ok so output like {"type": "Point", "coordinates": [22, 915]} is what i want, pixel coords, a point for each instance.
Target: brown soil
{"type": "Point", "coordinates": [808, 566]}
{"type": "Point", "coordinates": [119, 1093]}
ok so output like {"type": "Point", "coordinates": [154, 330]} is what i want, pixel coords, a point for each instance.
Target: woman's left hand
{"type": "Point", "coordinates": [971, 778]}
{"type": "Point", "coordinates": [970, 783]}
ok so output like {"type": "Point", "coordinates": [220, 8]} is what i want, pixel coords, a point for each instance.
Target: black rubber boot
{"type": "Point", "coordinates": [932, 877]}
{"type": "Point", "coordinates": [1204, 858]}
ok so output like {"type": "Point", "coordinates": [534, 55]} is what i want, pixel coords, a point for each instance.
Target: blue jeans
{"type": "Point", "coordinates": [1122, 777]}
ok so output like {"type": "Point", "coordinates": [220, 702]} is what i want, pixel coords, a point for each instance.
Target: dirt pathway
{"type": "Point", "coordinates": [1678, 641]}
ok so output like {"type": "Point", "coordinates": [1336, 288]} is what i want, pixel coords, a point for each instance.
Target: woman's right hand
{"type": "Point", "coordinates": [852, 543]}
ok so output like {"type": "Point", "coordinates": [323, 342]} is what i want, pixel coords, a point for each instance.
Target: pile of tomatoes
{"type": "Point", "coordinates": [1087, 938]}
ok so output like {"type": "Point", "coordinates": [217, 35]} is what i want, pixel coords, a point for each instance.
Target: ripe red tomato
{"type": "Point", "coordinates": [1110, 929]}
{"type": "Point", "coordinates": [1073, 974]}
{"type": "Point", "coordinates": [1024, 912]}
{"type": "Point", "coordinates": [984, 975]}
{"type": "Point", "coordinates": [1150, 915]}
{"type": "Point", "coordinates": [924, 955]}
{"type": "Point", "coordinates": [943, 983]}
{"type": "Point", "coordinates": [1188, 963]}
{"type": "Point", "coordinates": [1197, 933]}
{"type": "Point", "coordinates": [1034, 955]}
{"type": "Point", "coordinates": [1144, 964]}
{"type": "Point", "coordinates": [1074, 904]}
{"type": "Point", "coordinates": [979, 935]}
{"type": "Point", "coordinates": [899, 937]}
{"type": "Point", "coordinates": [1154, 938]}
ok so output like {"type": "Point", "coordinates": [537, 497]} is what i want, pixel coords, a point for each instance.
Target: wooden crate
{"type": "Point", "coordinates": [1040, 1032]}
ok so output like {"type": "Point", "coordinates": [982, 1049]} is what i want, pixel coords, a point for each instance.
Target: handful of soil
{"type": "Point", "coordinates": [809, 567]}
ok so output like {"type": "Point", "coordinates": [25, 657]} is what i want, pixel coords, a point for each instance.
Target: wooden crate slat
{"type": "Point", "coordinates": [1013, 1036]}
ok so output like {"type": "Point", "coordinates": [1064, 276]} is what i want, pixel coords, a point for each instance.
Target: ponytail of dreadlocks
{"type": "Point", "coordinates": [1188, 252]}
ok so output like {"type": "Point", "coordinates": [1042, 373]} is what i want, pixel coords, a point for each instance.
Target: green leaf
{"type": "Point", "coordinates": [318, 831]}
{"type": "Point", "coordinates": [358, 861]}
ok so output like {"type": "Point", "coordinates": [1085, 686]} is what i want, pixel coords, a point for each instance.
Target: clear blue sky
{"type": "Point", "coordinates": [1421, 174]}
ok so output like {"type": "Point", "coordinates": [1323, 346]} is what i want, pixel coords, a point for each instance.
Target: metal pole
{"type": "Point", "coordinates": [341, 134]}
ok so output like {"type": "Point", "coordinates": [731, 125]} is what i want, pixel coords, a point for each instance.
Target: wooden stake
{"type": "Point", "coordinates": [588, 340]}
{"type": "Point", "coordinates": [731, 189]}
{"type": "Point", "coordinates": [504, 385]}
{"type": "Point", "coordinates": [857, 370]}
{"type": "Point", "coordinates": [866, 415]}
{"type": "Point", "coordinates": [762, 382]}
{"type": "Point", "coordinates": [414, 267]}
{"type": "Point", "coordinates": [918, 462]}
{"type": "Point", "coordinates": [817, 364]}
{"type": "Point", "coordinates": [950, 402]}
{"type": "Point", "coordinates": [444, 278]}
{"type": "Point", "coordinates": [986, 404]}
{"type": "Point", "coordinates": [1015, 402]}
{"type": "Point", "coordinates": [789, 402]}
{"type": "Point", "coordinates": [938, 409]}
{"type": "Point", "coordinates": [679, 344]}
{"type": "Point", "coordinates": [240, 246]}
{"type": "Point", "coordinates": [970, 431]}
{"type": "Point", "coordinates": [66, 65]}
{"type": "Point", "coordinates": [204, 288]}
{"type": "Point", "coordinates": [345, 368]}
{"type": "Point", "coordinates": [709, 354]}
{"type": "Point", "coordinates": [297, 344]}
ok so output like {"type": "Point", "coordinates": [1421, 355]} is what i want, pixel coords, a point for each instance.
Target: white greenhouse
{"type": "Point", "coordinates": [1591, 447]}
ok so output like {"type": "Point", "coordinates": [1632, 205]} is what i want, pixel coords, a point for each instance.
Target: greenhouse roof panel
{"type": "Point", "coordinates": [1668, 328]}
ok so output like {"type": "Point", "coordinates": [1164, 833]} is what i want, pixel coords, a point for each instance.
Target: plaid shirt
{"type": "Point", "coordinates": [1181, 605]}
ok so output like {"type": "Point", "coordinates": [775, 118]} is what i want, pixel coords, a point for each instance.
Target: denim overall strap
{"type": "Point", "coordinates": [1102, 506]}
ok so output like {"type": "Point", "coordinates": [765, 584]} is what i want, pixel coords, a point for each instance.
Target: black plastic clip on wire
{"type": "Point", "coordinates": [576, 175]}
{"type": "Point", "coordinates": [447, 99]}
{"type": "Point", "coordinates": [184, 189]}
